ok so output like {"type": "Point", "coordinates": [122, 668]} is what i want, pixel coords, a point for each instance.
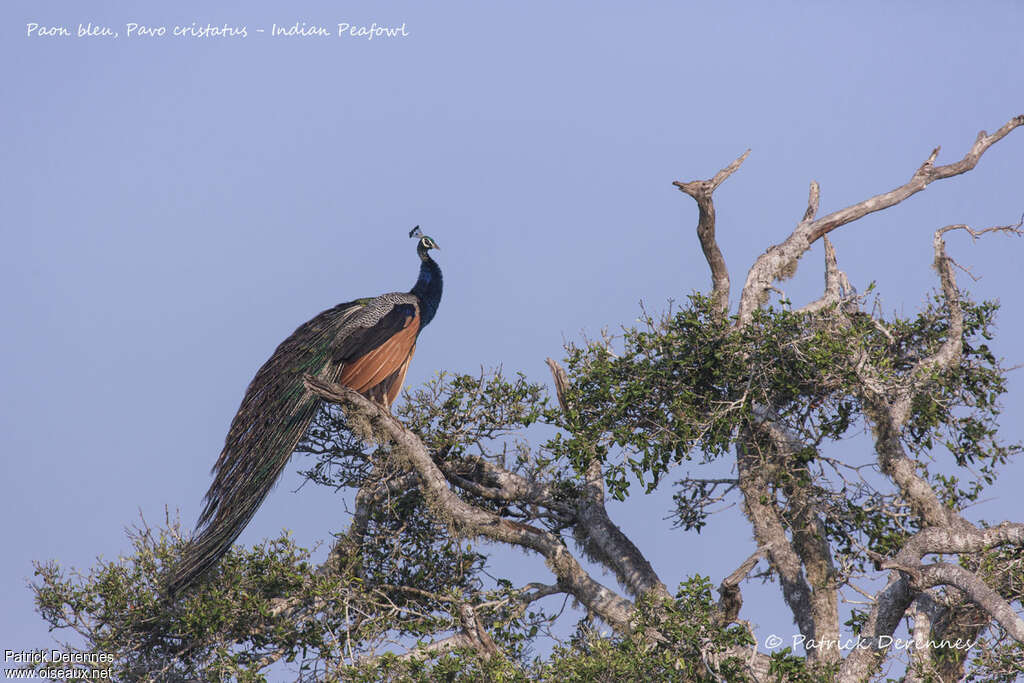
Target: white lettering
{"type": "Point", "coordinates": [34, 29]}
{"type": "Point", "coordinates": [142, 31]}
{"type": "Point", "coordinates": [90, 30]}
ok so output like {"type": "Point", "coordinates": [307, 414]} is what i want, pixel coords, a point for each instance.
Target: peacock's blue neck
{"type": "Point", "coordinates": [428, 290]}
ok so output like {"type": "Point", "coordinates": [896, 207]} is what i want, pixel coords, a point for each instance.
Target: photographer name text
{"type": "Point", "coordinates": [860, 643]}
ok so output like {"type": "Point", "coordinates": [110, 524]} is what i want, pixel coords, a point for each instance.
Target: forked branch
{"type": "Point", "coordinates": [780, 261]}
{"type": "Point", "coordinates": [836, 284]}
{"type": "Point", "coordinates": [701, 191]}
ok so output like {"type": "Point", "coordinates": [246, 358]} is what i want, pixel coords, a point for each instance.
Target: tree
{"type": "Point", "coordinates": [403, 593]}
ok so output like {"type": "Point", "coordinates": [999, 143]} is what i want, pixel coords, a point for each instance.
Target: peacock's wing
{"type": "Point", "coordinates": [367, 335]}
{"type": "Point", "coordinates": [374, 359]}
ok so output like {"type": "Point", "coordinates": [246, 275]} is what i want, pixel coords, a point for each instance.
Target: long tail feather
{"type": "Point", "coordinates": [273, 417]}
{"type": "Point", "coordinates": [229, 511]}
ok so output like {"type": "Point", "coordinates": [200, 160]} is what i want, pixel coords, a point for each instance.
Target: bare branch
{"type": "Point", "coordinates": [1014, 229]}
{"type": "Point", "coordinates": [731, 599]}
{"type": "Point", "coordinates": [537, 591]}
{"type": "Point", "coordinates": [606, 542]}
{"type": "Point", "coordinates": [944, 573]}
{"type": "Point", "coordinates": [475, 631]}
{"type": "Point", "coordinates": [488, 480]}
{"type": "Point", "coordinates": [920, 180]}
{"type": "Point", "coordinates": [812, 201]}
{"type": "Point", "coordinates": [701, 191]}
{"type": "Point", "coordinates": [836, 284]}
{"type": "Point", "coordinates": [770, 534]}
{"type": "Point", "coordinates": [949, 354]}
{"type": "Point", "coordinates": [924, 612]}
{"type": "Point", "coordinates": [561, 382]}
{"type": "Point", "coordinates": [809, 547]}
{"type": "Point", "coordinates": [883, 618]}
{"type": "Point", "coordinates": [899, 467]}
{"type": "Point", "coordinates": [457, 641]}
{"type": "Point", "coordinates": [780, 261]}
{"type": "Point", "coordinates": [945, 540]}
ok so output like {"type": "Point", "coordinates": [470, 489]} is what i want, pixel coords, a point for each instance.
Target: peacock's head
{"type": "Point", "coordinates": [425, 243]}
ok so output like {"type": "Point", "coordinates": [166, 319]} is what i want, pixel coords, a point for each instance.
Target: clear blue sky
{"type": "Point", "coordinates": [172, 208]}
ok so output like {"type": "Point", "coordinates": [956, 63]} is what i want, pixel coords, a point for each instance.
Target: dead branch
{"type": "Point", "coordinates": [780, 261]}
{"type": "Point", "coordinates": [561, 382]}
{"type": "Point", "coordinates": [836, 283]}
{"type": "Point", "coordinates": [731, 599]}
{"type": "Point", "coordinates": [813, 197]}
{"type": "Point", "coordinates": [701, 191]}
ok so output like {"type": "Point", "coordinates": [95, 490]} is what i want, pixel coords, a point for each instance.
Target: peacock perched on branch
{"type": "Point", "coordinates": [365, 345]}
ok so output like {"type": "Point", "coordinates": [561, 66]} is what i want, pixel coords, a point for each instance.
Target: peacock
{"type": "Point", "coordinates": [365, 345]}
